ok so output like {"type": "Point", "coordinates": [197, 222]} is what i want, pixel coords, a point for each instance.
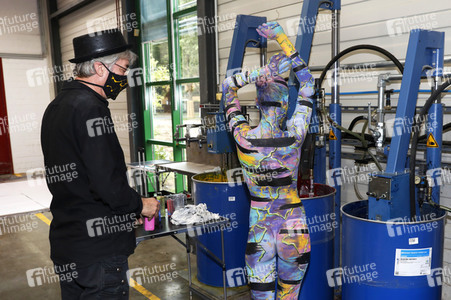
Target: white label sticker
{"type": "Point", "coordinates": [413, 262]}
{"type": "Point", "coordinates": [232, 198]}
{"type": "Point", "coordinates": [413, 241]}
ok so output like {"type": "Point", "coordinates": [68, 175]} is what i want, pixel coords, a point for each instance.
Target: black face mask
{"type": "Point", "coordinates": [114, 84]}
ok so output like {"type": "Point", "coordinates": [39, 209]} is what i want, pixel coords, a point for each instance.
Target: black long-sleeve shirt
{"type": "Point", "coordinates": [93, 205]}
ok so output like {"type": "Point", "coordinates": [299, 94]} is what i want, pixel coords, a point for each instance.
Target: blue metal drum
{"type": "Point", "coordinates": [395, 259]}
{"type": "Point", "coordinates": [230, 200]}
{"type": "Point", "coordinates": [322, 222]}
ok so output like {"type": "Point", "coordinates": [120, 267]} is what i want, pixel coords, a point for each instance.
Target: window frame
{"type": "Point", "coordinates": [175, 83]}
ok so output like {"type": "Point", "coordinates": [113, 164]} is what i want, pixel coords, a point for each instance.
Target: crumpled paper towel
{"type": "Point", "coordinates": [192, 214]}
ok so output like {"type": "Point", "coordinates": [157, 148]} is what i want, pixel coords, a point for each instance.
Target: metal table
{"type": "Point", "coordinates": [191, 233]}
{"type": "Point", "coordinates": [146, 167]}
{"type": "Point", "coordinates": [161, 166]}
{"type": "Point", "coordinates": [186, 168]}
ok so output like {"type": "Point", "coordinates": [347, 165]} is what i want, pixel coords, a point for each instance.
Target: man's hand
{"type": "Point", "coordinates": [150, 207]}
{"type": "Point", "coordinates": [279, 64]}
{"type": "Point", "coordinates": [270, 30]}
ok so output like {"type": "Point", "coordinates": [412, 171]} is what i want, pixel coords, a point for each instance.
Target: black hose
{"type": "Point", "coordinates": [354, 122]}
{"type": "Point", "coordinates": [413, 149]}
{"type": "Point", "coordinates": [446, 128]}
{"type": "Point", "coordinates": [360, 47]}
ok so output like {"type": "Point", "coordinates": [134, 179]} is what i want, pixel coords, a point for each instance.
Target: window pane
{"type": "Point", "coordinates": [189, 95]}
{"type": "Point", "coordinates": [188, 58]}
{"type": "Point", "coordinates": [167, 180]}
{"type": "Point", "coordinates": [157, 61]}
{"type": "Point", "coordinates": [183, 4]}
{"type": "Point", "coordinates": [162, 152]}
{"type": "Point", "coordinates": [153, 20]}
{"type": "Point", "coordinates": [160, 100]}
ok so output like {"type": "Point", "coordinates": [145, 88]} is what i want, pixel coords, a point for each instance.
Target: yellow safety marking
{"type": "Point", "coordinates": [142, 290]}
{"type": "Point", "coordinates": [332, 135]}
{"type": "Point", "coordinates": [133, 283]}
{"type": "Point", "coordinates": [431, 142]}
{"type": "Point", "coordinates": [43, 218]}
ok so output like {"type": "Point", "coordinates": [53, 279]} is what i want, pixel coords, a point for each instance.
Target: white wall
{"type": "Point", "coordinates": [27, 95]}
{"type": "Point", "coordinates": [26, 105]}
{"type": "Point", "coordinates": [28, 72]}
{"type": "Point", "coordinates": [362, 22]}
{"type": "Point", "coordinates": [19, 27]}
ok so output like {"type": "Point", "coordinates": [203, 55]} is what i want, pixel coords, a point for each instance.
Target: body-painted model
{"type": "Point", "coordinates": [269, 156]}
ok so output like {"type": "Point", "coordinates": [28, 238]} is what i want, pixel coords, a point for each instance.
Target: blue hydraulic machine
{"type": "Point", "coordinates": [383, 230]}
{"type": "Point", "coordinates": [303, 45]}
{"type": "Point", "coordinates": [389, 191]}
{"type": "Point", "coordinates": [314, 279]}
{"type": "Point", "coordinates": [220, 141]}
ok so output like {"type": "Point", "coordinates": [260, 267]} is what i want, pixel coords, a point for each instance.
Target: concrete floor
{"type": "Point", "coordinates": [24, 246]}
{"type": "Point", "coordinates": [25, 250]}
{"type": "Point", "coordinates": [29, 249]}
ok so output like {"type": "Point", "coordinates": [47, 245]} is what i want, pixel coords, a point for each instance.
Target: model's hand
{"type": "Point", "coordinates": [228, 83]}
{"type": "Point", "coordinates": [150, 207]}
{"type": "Point", "coordinates": [279, 64]}
{"type": "Point", "coordinates": [270, 30]}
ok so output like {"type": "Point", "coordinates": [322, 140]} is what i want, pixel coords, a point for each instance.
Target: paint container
{"type": "Point", "coordinates": [322, 222]}
{"type": "Point", "coordinates": [230, 200]}
{"type": "Point", "coordinates": [396, 259]}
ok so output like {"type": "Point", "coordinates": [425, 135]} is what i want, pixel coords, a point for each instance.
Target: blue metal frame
{"type": "Point", "coordinates": [425, 49]}
{"type": "Point", "coordinates": [220, 140]}
{"type": "Point", "coordinates": [245, 30]}
{"type": "Point", "coordinates": [420, 53]}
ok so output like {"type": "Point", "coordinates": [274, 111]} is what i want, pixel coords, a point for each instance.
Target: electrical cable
{"type": "Point", "coordinates": [440, 206]}
{"type": "Point", "coordinates": [360, 47]}
{"type": "Point", "coordinates": [323, 75]}
{"type": "Point", "coordinates": [446, 128]}
{"type": "Point", "coordinates": [356, 188]}
{"type": "Point", "coordinates": [354, 122]}
{"type": "Point", "coordinates": [413, 149]}
{"type": "Point", "coordinates": [358, 136]}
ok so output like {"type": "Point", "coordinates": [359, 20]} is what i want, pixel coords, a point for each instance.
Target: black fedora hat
{"type": "Point", "coordinates": [98, 44]}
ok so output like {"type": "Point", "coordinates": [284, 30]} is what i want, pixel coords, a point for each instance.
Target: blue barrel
{"type": "Point", "coordinates": [231, 200]}
{"type": "Point", "coordinates": [399, 259]}
{"type": "Point", "coordinates": [322, 222]}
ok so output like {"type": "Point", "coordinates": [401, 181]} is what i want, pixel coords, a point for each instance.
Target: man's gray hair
{"type": "Point", "coordinates": [86, 68]}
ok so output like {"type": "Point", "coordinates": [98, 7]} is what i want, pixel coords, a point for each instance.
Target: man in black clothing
{"type": "Point", "coordinates": [93, 207]}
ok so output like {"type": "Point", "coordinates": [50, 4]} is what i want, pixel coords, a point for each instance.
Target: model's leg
{"type": "Point", "coordinates": [261, 257]}
{"type": "Point", "coordinates": [293, 250]}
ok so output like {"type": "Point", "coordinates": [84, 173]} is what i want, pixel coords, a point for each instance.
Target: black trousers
{"type": "Point", "coordinates": [106, 279]}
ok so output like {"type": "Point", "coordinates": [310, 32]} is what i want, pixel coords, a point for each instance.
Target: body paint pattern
{"type": "Point", "coordinates": [269, 156]}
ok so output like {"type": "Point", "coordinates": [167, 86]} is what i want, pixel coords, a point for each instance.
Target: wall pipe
{"type": "Point", "coordinates": [376, 65]}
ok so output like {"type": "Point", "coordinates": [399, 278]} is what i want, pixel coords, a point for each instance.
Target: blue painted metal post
{"type": "Point", "coordinates": [422, 43]}
{"type": "Point", "coordinates": [303, 45]}
{"type": "Point", "coordinates": [435, 129]}
{"type": "Point", "coordinates": [335, 172]}
{"type": "Point", "coordinates": [434, 148]}
{"type": "Point", "coordinates": [335, 112]}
